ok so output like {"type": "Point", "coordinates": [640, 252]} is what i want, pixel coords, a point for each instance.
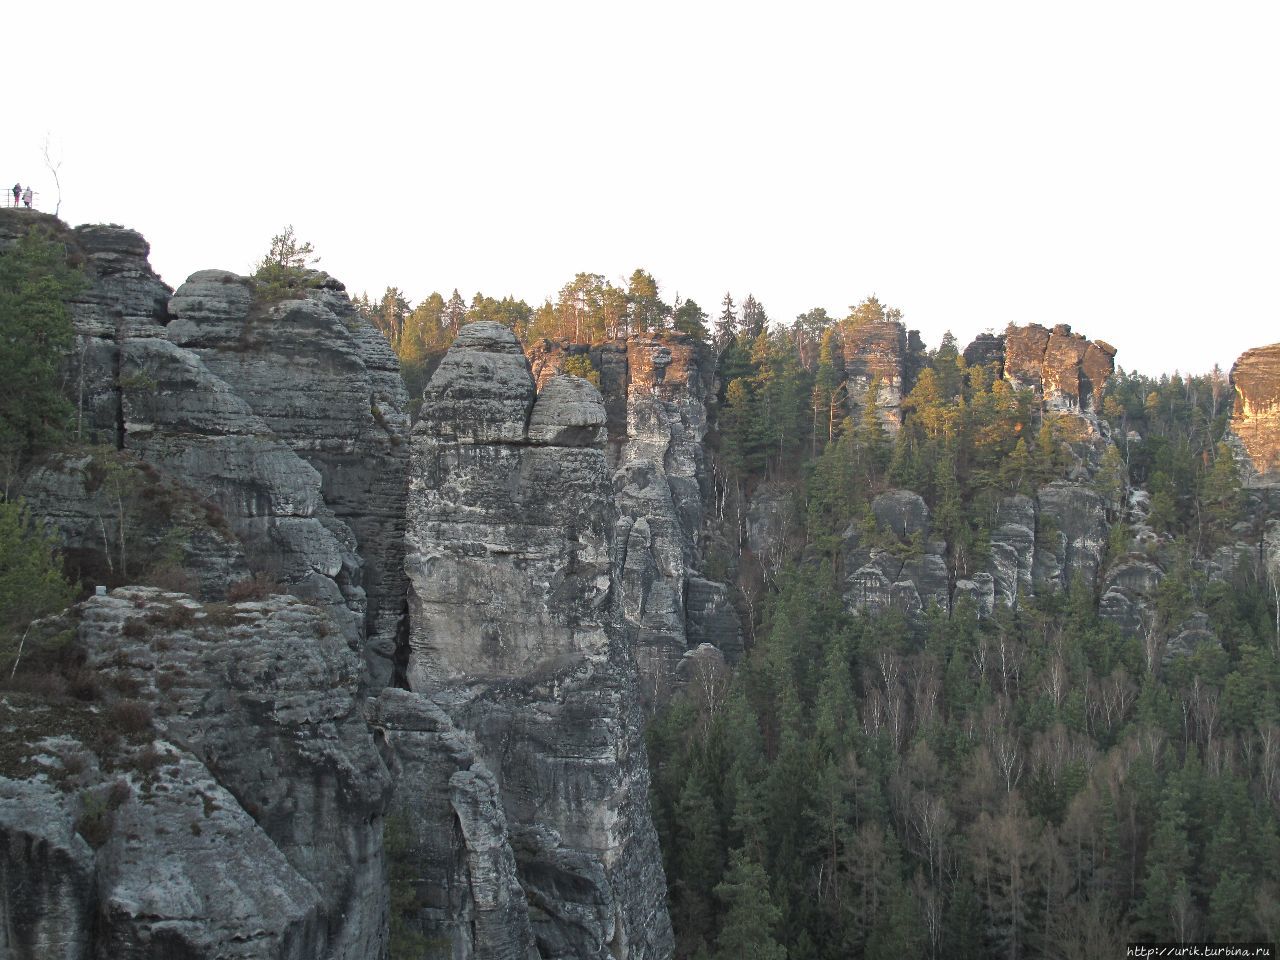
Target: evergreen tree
{"type": "Point", "coordinates": [699, 858]}
{"type": "Point", "coordinates": [727, 323]}
{"type": "Point", "coordinates": [754, 320]}
{"type": "Point", "coordinates": [1168, 862]}
{"type": "Point", "coordinates": [689, 318]}
{"type": "Point", "coordinates": [35, 329]}
{"type": "Point", "coordinates": [454, 313]}
{"type": "Point", "coordinates": [750, 917]}
{"type": "Point", "coordinates": [645, 310]}
{"type": "Point", "coordinates": [31, 580]}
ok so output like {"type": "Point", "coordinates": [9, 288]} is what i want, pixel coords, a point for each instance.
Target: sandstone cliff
{"type": "Point", "coordinates": [657, 389]}
{"type": "Point", "coordinates": [886, 351]}
{"type": "Point", "coordinates": [1255, 423]}
{"type": "Point", "coordinates": [284, 420]}
{"type": "Point", "coordinates": [1065, 369]}
{"type": "Point", "coordinates": [221, 795]}
{"type": "Point", "coordinates": [515, 635]}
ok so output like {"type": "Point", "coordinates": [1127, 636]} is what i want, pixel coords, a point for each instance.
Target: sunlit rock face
{"type": "Point", "coordinates": [515, 635]}
{"type": "Point", "coordinates": [1255, 422]}
{"type": "Point", "coordinates": [882, 349]}
{"type": "Point", "coordinates": [1068, 371]}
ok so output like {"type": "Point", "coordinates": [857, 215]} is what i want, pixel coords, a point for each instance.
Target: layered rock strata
{"type": "Point", "coordinates": [656, 390]}
{"type": "Point", "coordinates": [515, 636]}
{"type": "Point", "coordinates": [286, 419]}
{"type": "Point", "coordinates": [1255, 421]}
{"type": "Point", "coordinates": [328, 386]}
{"type": "Point", "coordinates": [223, 798]}
{"type": "Point", "coordinates": [881, 351]}
{"type": "Point", "coordinates": [1037, 544]}
{"type": "Point", "coordinates": [1066, 370]}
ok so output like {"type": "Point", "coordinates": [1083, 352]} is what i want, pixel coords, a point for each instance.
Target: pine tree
{"type": "Point", "coordinates": [35, 329]}
{"type": "Point", "coordinates": [750, 918]}
{"type": "Point", "coordinates": [689, 318]}
{"type": "Point", "coordinates": [31, 581]}
{"type": "Point", "coordinates": [727, 324]}
{"type": "Point", "coordinates": [754, 320]}
{"type": "Point", "coordinates": [645, 310]}
{"type": "Point", "coordinates": [1168, 860]}
{"type": "Point", "coordinates": [455, 312]}
{"type": "Point", "coordinates": [699, 857]}
{"type": "Point", "coordinates": [1112, 479]}
{"type": "Point", "coordinates": [875, 446]}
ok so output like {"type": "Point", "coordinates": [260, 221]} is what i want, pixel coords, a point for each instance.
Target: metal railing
{"type": "Point", "coordinates": [9, 202]}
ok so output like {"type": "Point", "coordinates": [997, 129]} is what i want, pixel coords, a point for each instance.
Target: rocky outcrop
{"type": "Point", "coordinates": [1255, 421]}
{"type": "Point", "coordinates": [656, 388]}
{"type": "Point", "coordinates": [448, 845]}
{"type": "Point", "coordinates": [189, 423]}
{"type": "Point", "coordinates": [48, 887]}
{"type": "Point", "coordinates": [121, 298]}
{"type": "Point", "coordinates": [118, 517]}
{"type": "Point", "coordinates": [1066, 370]}
{"type": "Point", "coordinates": [224, 799]}
{"type": "Point", "coordinates": [986, 349]}
{"type": "Point", "coordinates": [1013, 548]}
{"type": "Point", "coordinates": [516, 636]}
{"type": "Point", "coordinates": [285, 420]}
{"type": "Point", "coordinates": [327, 385]}
{"type": "Point", "coordinates": [883, 350]}
{"type": "Point", "coordinates": [1071, 534]}
{"type": "Point", "coordinates": [895, 565]}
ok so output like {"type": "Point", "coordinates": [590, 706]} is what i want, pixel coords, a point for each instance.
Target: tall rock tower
{"type": "Point", "coordinates": [515, 635]}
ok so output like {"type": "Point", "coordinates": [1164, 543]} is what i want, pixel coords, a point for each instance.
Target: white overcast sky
{"type": "Point", "coordinates": [1115, 166]}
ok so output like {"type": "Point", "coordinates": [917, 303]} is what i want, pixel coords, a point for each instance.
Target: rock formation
{"type": "Point", "coordinates": [515, 635]}
{"type": "Point", "coordinates": [882, 349]}
{"type": "Point", "coordinates": [223, 797]}
{"type": "Point", "coordinates": [328, 386]}
{"type": "Point", "coordinates": [1067, 371]}
{"type": "Point", "coordinates": [1255, 421]}
{"type": "Point", "coordinates": [656, 389]}
{"type": "Point", "coordinates": [283, 422]}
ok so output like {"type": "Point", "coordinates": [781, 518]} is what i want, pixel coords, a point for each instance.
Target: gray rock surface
{"type": "Point", "coordinates": [231, 790]}
{"type": "Point", "coordinates": [326, 385]}
{"type": "Point", "coordinates": [1073, 527]}
{"type": "Point", "coordinates": [451, 843]}
{"type": "Point", "coordinates": [515, 635]}
{"type": "Point", "coordinates": [48, 888]}
{"type": "Point", "coordinates": [656, 389]}
{"type": "Point", "coordinates": [1013, 548]}
{"type": "Point", "coordinates": [569, 412]}
{"type": "Point", "coordinates": [910, 574]}
{"type": "Point", "coordinates": [119, 520]}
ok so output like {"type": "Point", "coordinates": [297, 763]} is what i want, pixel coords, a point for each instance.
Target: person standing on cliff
{"type": "Point", "coordinates": [26, 197]}
{"type": "Point", "coordinates": [17, 193]}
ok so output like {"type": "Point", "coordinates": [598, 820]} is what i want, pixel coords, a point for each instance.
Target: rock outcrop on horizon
{"type": "Point", "coordinates": [1066, 370]}
{"type": "Point", "coordinates": [285, 420]}
{"type": "Point", "coordinates": [886, 351]}
{"type": "Point", "coordinates": [1255, 421]}
{"type": "Point", "coordinates": [389, 685]}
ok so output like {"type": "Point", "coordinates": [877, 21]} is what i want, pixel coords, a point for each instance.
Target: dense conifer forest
{"type": "Point", "coordinates": [1029, 784]}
